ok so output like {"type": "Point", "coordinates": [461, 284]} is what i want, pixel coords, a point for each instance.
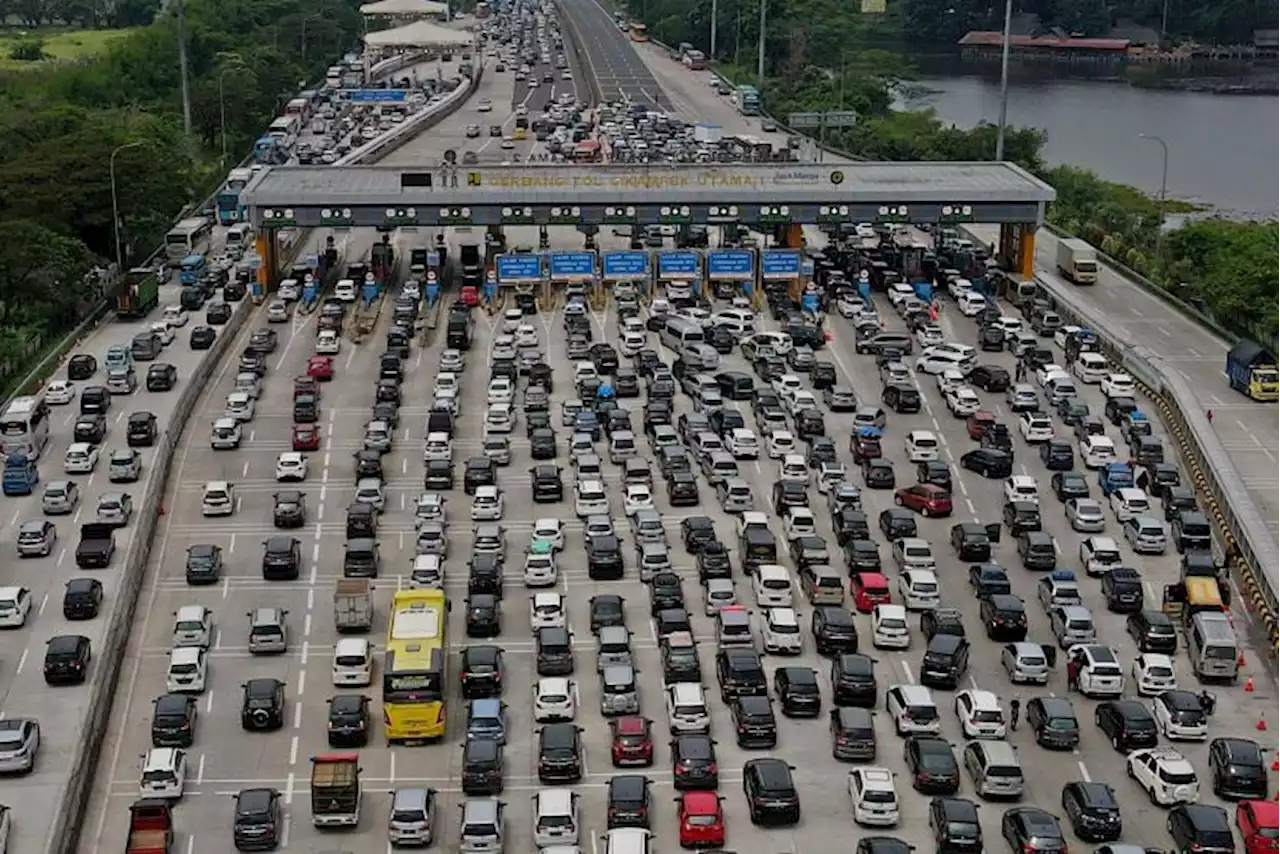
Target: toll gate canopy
{"type": "Point", "coordinates": [663, 194]}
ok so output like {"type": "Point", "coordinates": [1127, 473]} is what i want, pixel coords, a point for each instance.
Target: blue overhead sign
{"type": "Point", "coordinates": [521, 267]}
{"type": "Point", "coordinates": [625, 265]}
{"type": "Point", "coordinates": [780, 264]}
{"type": "Point", "coordinates": [573, 265]}
{"type": "Point", "coordinates": [677, 265]}
{"type": "Point", "coordinates": [378, 96]}
{"type": "Point", "coordinates": [730, 264]}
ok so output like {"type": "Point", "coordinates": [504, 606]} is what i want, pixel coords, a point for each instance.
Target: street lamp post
{"type": "Point", "coordinates": [760, 48]}
{"type": "Point", "coordinates": [115, 203]}
{"type": "Point", "coordinates": [1164, 186]}
{"type": "Point", "coordinates": [1005, 38]}
{"type": "Point", "coordinates": [222, 114]}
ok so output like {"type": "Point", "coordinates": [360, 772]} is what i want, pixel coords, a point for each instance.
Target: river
{"type": "Point", "coordinates": [1223, 149]}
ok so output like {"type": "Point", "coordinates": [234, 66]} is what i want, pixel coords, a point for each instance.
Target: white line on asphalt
{"type": "Point", "coordinates": [1084, 772]}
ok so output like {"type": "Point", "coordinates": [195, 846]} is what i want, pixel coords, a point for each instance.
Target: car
{"type": "Point", "coordinates": [638, 497]}
{"type": "Point", "coordinates": [1032, 829]}
{"type": "Point", "coordinates": [1085, 515]}
{"type": "Point", "coordinates": [962, 401]}
{"type": "Point", "coordinates": [555, 698]}
{"type": "Point", "coordinates": [60, 393]}
{"type": "Point", "coordinates": [873, 796]}
{"type": "Point", "coordinates": [1181, 715]}
{"type": "Point", "coordinates": [81, 458]}
{"type": "Point", "coordinates": [980, 713]}
{"type": "Point", "coordinates": [291, 466]}
{"type": "Point", "coordinates": [1166, 775]}
{"type": "Point", "coordinates": [1153, 674]}
{"type": "Point", "coordinates": [1118, 385]}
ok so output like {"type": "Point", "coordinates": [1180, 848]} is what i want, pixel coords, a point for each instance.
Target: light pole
{"type": "Point", "coordinates": [760, 50]}
{"type": "Point", "coordinates": [714, 9]}
{"type": "Point", "coordinates": [115, 203]}
{"type": "Point", "coordinates": [1164, 186]}
{"type": "Point", "coordinates": [1005, 38]}
{"type": "Point", "coordinates": [222, 114]}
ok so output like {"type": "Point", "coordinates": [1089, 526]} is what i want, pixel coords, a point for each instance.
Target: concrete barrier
{"type": "Point", "coordinates": [415, 124]}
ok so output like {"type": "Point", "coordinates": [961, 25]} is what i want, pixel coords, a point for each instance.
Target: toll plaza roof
{"type": "Point", "coordinates": [438, 194]}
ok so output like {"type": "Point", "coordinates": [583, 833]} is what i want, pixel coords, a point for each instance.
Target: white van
{"type": "Point", "coordinates": [921, 446]}
{"type": "Point", "coordinates": [772, 586]}
{"type": "Point", "coordinates": [1091, 368]}
{"type": "Point", "coordinates": [556, 817]}
{"type": "Point", "coordinates": [193, 626]}
{"type": "Point", "coordinates": [352, 662]}
{"type": "Point", "coordinates": [188, 671]}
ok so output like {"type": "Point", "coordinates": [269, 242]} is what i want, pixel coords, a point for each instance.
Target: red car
{"type": "Point", "coordinates": [868, 590]}
{"type": "Point", "coordinates": [632, 737]}
{"type": "Point", "coordinates": [701, 819]}
{"type": "Point", "coordinates": [470, 296]}
{"type": "Point", "coordinates": [978, 423]}
{"type": "Point", "coordinates": [305, 386]}
{"type": "Point", "coordinates": [306, 437]}
{"type": "Point", "coordinates": [320, 367]}
{"type": "Point", "coordinates": [927, 499]}
{"type": "Point", "coordinates": [1259, 823]}
{"type": "Point", "coordinates": [865, 448]}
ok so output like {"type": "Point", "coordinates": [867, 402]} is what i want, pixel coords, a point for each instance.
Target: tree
{"type": "Point", "coordinates": [42, 276]}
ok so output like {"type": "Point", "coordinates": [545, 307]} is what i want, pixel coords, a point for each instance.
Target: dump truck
{"type": "Point", "coordinates": [137, 293]}
{"type": "Point", "coordinates": [1077, 261]}
{"type": "Point", "coordinates": [150, 827]}
{"type": "Point", "coordinates": [353, 605]}
{"type": "Point", "coordinates": [1251, 370]}
{"type": "Point", "coordinates": [335, 790]}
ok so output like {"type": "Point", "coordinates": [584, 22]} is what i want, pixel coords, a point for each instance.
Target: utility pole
{"type": "Point", "coordinates": [115, 204]}
{"type": "Point", "coordinates": [715, 7]}
{"type": "Point", "coordinates": [760, 50]}
{"type": "Point", "coordinates": [1164, 186]}
{"type": "Point", "coordinates": [182, 66]}
{"type": "Point", "coordinates": [1004, 77]}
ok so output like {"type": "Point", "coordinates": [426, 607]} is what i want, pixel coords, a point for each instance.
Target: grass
{"type": "Point", "coordinates": [58, 45]}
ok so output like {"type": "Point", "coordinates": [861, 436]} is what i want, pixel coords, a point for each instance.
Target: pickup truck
{"type": "Point", "coordinates": [335, 790]}
{"type": "Point", "coordinates": [353, 605]}
{"type": "Point", "coordinates": [150, 827]}
{"type": "Point", "coordinates": [97, 545]}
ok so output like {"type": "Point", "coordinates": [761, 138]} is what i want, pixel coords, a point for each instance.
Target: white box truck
{"type": "Point", "coordinates": [1077, 261]}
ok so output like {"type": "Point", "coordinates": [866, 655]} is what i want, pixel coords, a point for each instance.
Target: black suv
{"type": "Point", "coordinates": [853, 681]}
{"type": "Point", "coordinates": [798, 691]}
{"type": "Point", "coordinates": [955, 826]}
{"type": "Point", "coordinates": [82, 599]}
{"type": "Point", "coordinates": [559, 754]}
{"type": "Point", "coordinates": [932, 764]}
{"type": "Point", "coordinates": [1200, 828]}
{"type": "Point", "coordinates": [66, 660]}
{"type": "Point", "coordinates": [740, 674]}
{"type": "Point", "coordinates": [258, 820]}
{"type": "Point", "coordinates": [753, 722]}
{"type": "Point", "coordinates": [482, 766]}
{"type": "Point", "coordinates": [772, 797]}
{"type": "Point", "coordinates": [262, 705]}
{"type": "Point", "coordinates": [941, 621]}
{"type": "Point", "coordinates": [693, 762]}
{"type": "Point", "coordinates": [945, 662]}
{"type": "Point", "coordinates": [281, 559]}
{"type": "Point", "coordinates": [604, 558]}
{"type": "Point", "coordinates": [348, 724]}
{"type": "Point", "coordinates": [161, 377]}
{"type": "Point", "coordinates": [1004, 616]}
{"type": "Point", "coordinates": [548, 488]}
{"type": "Point", "coordinates": [439, 475]}
{"type": "Point", "coordinates": [627, 797]}
{"type": "Point", "coordinates": [173, 720]}
{"type": "Point", "coordinates": [1128, 724]}
{"type": "Point", "coordinates": [1093, 810]}
{"type": "Point", "coordinates": [141, 430]}
{"type": "Point", "coordinates": [1237, 768]}
{"type": "Point", "coordinates": [204, 564]}
{"type": "Point", "coordinates": [479, 471]}
{"type": "Point", "coordinates": [834, 630]}
{"type": "Point", "coordinates": [482, 671]}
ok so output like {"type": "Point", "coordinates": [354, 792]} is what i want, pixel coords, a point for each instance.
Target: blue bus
{"type": "Point", "coordinates": [230, 208]}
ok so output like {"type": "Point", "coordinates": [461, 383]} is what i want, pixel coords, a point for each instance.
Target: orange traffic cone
{"type": "Point", "coordinates": [1240, 662]}
{"type": "Point", "coordinates": [1275, 764]}
{"type": "Point", "coordinates": [1248, 685]}
{"type": "Point", "coordinates": [1261, 726]}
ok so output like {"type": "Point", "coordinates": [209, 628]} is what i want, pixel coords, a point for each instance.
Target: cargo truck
{"type": "Point", "coordinates": [150, 827]}
{"type": "Point", "coordinates": [1077, 261]}
{"type": "Point", "coordinates": [353, 605]}
{"type": "Point", "coordinates": [1251, 370]}
{"type": "Point", "coordinates": [335, 790]}
{"type": "Point", "coordinates": [137, 293]}
{"type": "Point", "coordinates": [471, 260]}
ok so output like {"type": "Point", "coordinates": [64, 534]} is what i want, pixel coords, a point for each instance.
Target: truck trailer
{"type": "Point", "coordinates": [137, 293]}
{"type": "Point", "coordinates": [1077, 261]}
{"type": "Point", "coordinates": [335, 790]}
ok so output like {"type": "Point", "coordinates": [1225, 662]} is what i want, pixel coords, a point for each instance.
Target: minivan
{"type": "Point", "coordinates": [267, 631]}
{"type": "Point", "coordinates": [352, 662]}
{"type": "Point", "coordinates": [994, 768]}
{"type": "Point", "coordinates": [413, 817]}
{"type": "Point", "coordinates": [483, 826]}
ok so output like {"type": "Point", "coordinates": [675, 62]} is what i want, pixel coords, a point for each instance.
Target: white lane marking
{"type": "Point", "coordinates": [1084, 772]}
{"type": "Point", "coordinates": [22, 662]}
{"type": "Point", "coordinates": [906, 669]}
{"type": "Point", "coordinates": [200, 770]}
{"type": "Point", "coordinates": [293, 753]}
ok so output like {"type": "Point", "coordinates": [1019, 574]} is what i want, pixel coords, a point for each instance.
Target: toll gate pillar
{"type": "Point", "coordinates": [793, 236]}
{"type": "Point", "coordinates": [269, 251]}
{"type": "Point", "coordinates": [1027, 250]}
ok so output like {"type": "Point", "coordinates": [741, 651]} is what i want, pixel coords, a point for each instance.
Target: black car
{"type": "Point", "coordinates": [945, 662]}
{"type": "Point", "coordinates": [262, 704]}
{"type": "Point", "coordinates": [896, 523]}
{"type": "Point", "coordinates": [1118, 407]}
{"type": "Point", "coordinates": [798, 691]}
{"type": "Point", "coordinates": [368, 463]}
{"type": "Point", "coordinates": [161, 377]}
{"type": "Point", "coordinates": [754, 723]}
{"type": "Point", "coordinates": [348, 720]}
{"type": "Point", "coordinates": [66, 660]}
{"type": "Point", "coordinates": [991, 463]}
{"type": "Point", "coordinates": [989, 579]}
{"type": "Point", "coordinates": [1200, 828]}
{"type": "Point", "coordinates": [439, 475]}
{"type": "Point", "coordinates": [693, 762]}
{"type": "Point", "coordinates": [604, 558]}
{"type": "Point", "coordinates": [771, 794]}
{"type": "Point", "coordinates": [627, 801]}
{"type": "Point", "coordinates": [263, 341]}
{"type": "Point", "coordinates": [990, 378]}
{"type": "Point", "coordinates": [1053, 720]}
{"type": "Point", "coordinates": [1021, 516]}
{"type": "Point", "coordinates": [559, 754]}
{"type": "Point", "coordinates": [740, 673]}
{"type": "Point", "coordinates": [1068, 484]}
{"type": "Point", "coordinates": [204, 564]}
{"type": "Point", "coordinates": [281, 558]}
{"type": "Point", "coordinates": [1238, 769]}
{"type": "Point", "coordinates": [853, 681]}
{"type": "Point", "coordinates": [81, 367]}
{"type": "Point", "coordinates": [91, 428]}
{"type": "Point", "coordinates": [484, 615]}
{"type": "Point", "coordinates": [1093, 810]}
{"type": "Point", "coordinates": [258, 823]}
{"type": "Point", "coordinates": [479, 471]}
{"type": "Point", "coordinates": [696, 531]}
{"type": "Point", "coordinates": [834, 630]}
{"type": "Point", "coordinates": [682, 489]}
{"type": "Point", "coordinates": [1123, 589]}
{"type": "Point", "coordinates": [932, 764]}
{"type": "Point", "coordinates": [1152, 631]}
{"type": "Point", "coordinates": [971, 541]}
{"type": "Point", "coordinates": [941, 621]}
{"type": "Point", "coordinates": [482, 767]}
{"type": "Point", "coordinates": [202, 337]}
{"type": "Point", "coordinates": [1004, 616]}
{"type": "Point", "coordinates": [606, 609]}
{"type": "Point", "coordinates": [713, 561]}
{"type": "Point", "coordinates": [82, 599]}
{"type": "Point", "coordinates": [991, 338]}
{"type": "Point", "coordinates": [173, 720]}
{"type": "Point", "coordinates": [483, 670]}
{"type": "Point", "coordinates": [290, 509]}
{"type": "Point", "coordinates": [1032, 829]}
{"type": "Point", "coordinates": [1128, 724]}
{"type": "Point", "coordinates": [936, 472]}
{"type": "Point", "coordinates": [217, 313]}
{"type": "Point", "coordinates": [877, 473]}
{"type": "Point", "coordinates": [954, 825]}
{"type": "Point", "coordinates": [901, 398]}
{"type": "Point", "coordinates": [1058, 455]}
{"type": "Point", "coordinates": [665, 592]}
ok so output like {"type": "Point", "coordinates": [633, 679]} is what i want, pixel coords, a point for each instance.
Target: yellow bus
{"type": "Point", "coordinates": [414, 675]}
{"type": "Point", "coordinates": [639, 33]}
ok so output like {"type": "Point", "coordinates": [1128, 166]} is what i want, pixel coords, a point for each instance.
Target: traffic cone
{"type": "Point", "coordinates": [1261, 726]}
{"type": "Point", "coordinates": [160, 512]}
{"type": "Point", "coordinates": [1240, 662]}
{"type": "Point", "coordinates": [1248, 685]}
{"type": "Point", "coordinates": [1275, 764]}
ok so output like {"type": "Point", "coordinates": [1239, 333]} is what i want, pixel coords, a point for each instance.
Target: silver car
{"type": "Point", "coordinates": [1025, 663]}
{"type": "Point", "coordinates": [19, 744]}
{"type": "Point", "coordinates": [1086, 515]}
{"type": "Point", "coordinates": [60, 498]}
{"type": "Point", "coordinates": [115, 508]}
{"type": "Point", "coordinates": [432, 539]}
{"type": "Point", "coordinates": [452, 361]}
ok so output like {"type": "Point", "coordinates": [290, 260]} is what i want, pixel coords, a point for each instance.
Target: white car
{"type": "Point", "coordinates": [919, 589]}
{"type": "Point", "coordinates": [971, 304]}
{"type": "Point", "coordinates": [291, 466]}
{"type": "Point", "coordinates": [1097, 452]}
{"type": "Point", "coordinates": [889, 628]}
{"type": "Point", "coordinates": [1129, 503]}
{"type": "Point", "coordinates": [241, 406]}
{"type": "Point", "coordinates": [81, 458]}
{"type": "Point", "coordinates": [1153, 673]}
{"type": "Point", "coordinates": [873, 796]}
{"type": "Point", "coordinates": [743, 444]}
{"type": "Point", "coordinates": [1035, 427]}
{"type": "Point", "coordinates": [912, 709]}
{"type": "Point", "coordinates": [501, 390]}
{"type": "Point", "coordinates": [738, 321]}
{"type": "Point", "coordinates": [448, 383]}
{"type": "Point", "coordinates": [781, 443]}
{"type": "Point", "coordinates": [547, 611]}
{"type": "Point", "coordinates": [163, 331]}
{"type": "Point", "coordinates": [487, 504]}
{"type": "Point", "coordinates": [638, 498]}
{"type": "Point", "coordinates": [787, 385]}
{"type": "Point", "coordinates": [1118, 385]}
{"type": "Point", "coordinates": [484, 105]}
{"type": "Point", "coordinates": [60, 393]}
{"type": "Point", "coordinates": [278, 311]}
{"type": "Point", "coordinates": [590, 499]}
{"type": "Point", "coordinates": [949, 379]}
{"type": "Point", "coordinates": [1022, 487]}
{"type": "Point", "coordinates": [935, 360]}
{"type": "Point", "coordinates": [164, 773]}
{"type": "Point", "coordinates": [1166, 775]}
{"type": "Point", "coordinates": [632, 342]}
{"type": "Point", "coordinates": [963, 401]}
{"type": "Point", "coordinates": [930, 335]}
{"type": "Point", "coordinates": [345, 290]}
{"type": "Point", "coordinates": [799, 522]}
{"type": "Point", "coordinates": [782, 634]}
{"type": "Point", "coordinates": [980, 714]}
{"type": "Point", "coordinates": [1180, 716]}
{"type": "Point", "coordinates": [328, 343]}
{"type": "Point", "coordinates": [511, 320]}
{"type": "Point", "coordinates": [549, 530]}
{"type": "Point", "coordinates": [175, 315]}
{"type": "Point", "coordinates": [555, 698]}
{"type": "Point", "coordinates": [1021, 397]}
{"type": "Point", "coordinates": [1048, 372]}
{"type": "Point", "coordinates": [430, 507]}
{"type": "Point", "coordinates": [526, 335]}
{"type": "Point", "coordinates": [687, 710]}
{"type": "Point", "coordinates": [500, 418]}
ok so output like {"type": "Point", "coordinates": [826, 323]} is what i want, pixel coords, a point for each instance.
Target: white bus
{"type": "Point", "coordinates": [680, 334]}
{"type": "Point", "coordinates": [24, 427]}
{"type": "Point", "coordinates": [187, 238]}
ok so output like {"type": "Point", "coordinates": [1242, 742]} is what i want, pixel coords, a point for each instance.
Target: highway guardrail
{"type": "Point", "coordinates": [69, 812]}
{"type": "Point", "coordinates": [1214, 476]}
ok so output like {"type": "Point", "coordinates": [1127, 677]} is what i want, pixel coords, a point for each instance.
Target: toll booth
{"type": "Point", "coordinates": [628, 265]}
{"type": "Point", "coordinates": [578, 268]}
{"type": "Point", "coordinates": [736, 266]}
{"type": "Point", "coordinates": [680, 265]}
{"type": "Point", "coordinates": [513, 270]}
{"type": "Point", "coordinates": [782, 266]}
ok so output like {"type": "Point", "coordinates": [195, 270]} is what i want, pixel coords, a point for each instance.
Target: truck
{"type": "Point", "coordinates": [150, 827]}
{"type": "Point", "coordinates": [137, 293]}
{"type": "Point", "coordinates": [471, 261]}
{"type": "Point", "coordinates": [1077, 261]}
{"type": "Point", "coordinates": [353, 605]}
{"type": "Point", "coordinates": [706, 134]}
{"type": "Point", "coordinates": [1251, 370]}
{"type": "Point", "coordinates": [335, 790]}
{"type": "Point", "coordinates": [382, 260]}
